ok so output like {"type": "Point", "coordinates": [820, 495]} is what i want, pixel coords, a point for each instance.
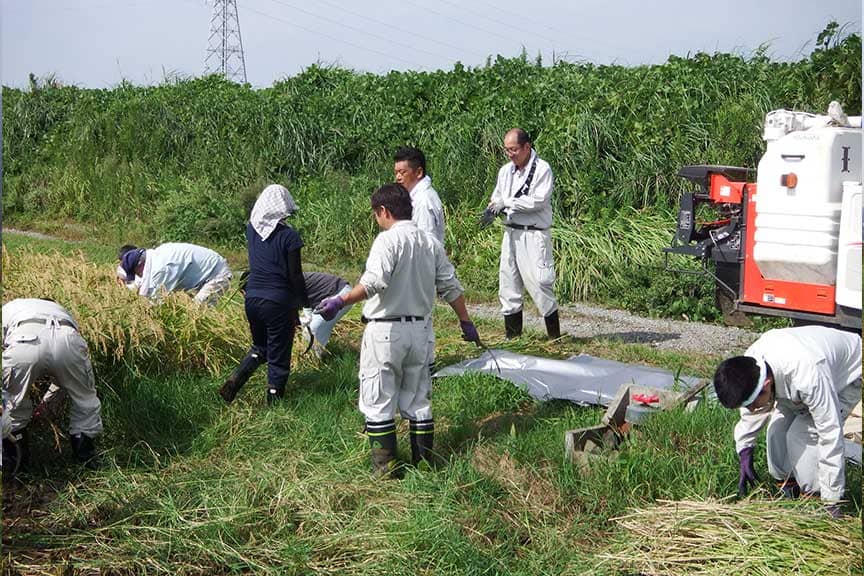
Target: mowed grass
{"type": "Point", "coordinates": [191, 486]}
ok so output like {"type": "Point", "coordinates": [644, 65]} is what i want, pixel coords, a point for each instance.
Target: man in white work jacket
{"type": "Point", "coordinates": [177, 266]}
{"type": "Point", "coordinates": [802, 382]}
{"type": "Point", "coordinates": [427, 212]}
{"type": "Point", "coordinates": [523, 195]}
{"type": "Point", "coordinates": [40, 338]}
{"type": "Point", "coordinates": [405, 269]}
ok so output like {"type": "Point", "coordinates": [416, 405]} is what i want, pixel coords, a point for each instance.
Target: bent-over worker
{"type": "Point", "coordinates": [40, 338]}
{"type": "Point", "coordinates": [802, 382]}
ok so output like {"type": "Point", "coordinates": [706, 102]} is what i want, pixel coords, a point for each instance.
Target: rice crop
{"type": "Point", "coordinates": [123, 329]}
{"type": "Point", "coordinates": [690, 537]}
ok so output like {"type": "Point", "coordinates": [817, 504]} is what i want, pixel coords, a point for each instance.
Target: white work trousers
{"type": "Point", "coordinates": [321, 328]}
{"type": "Point", "coordinates": [394, 371]}
{"type": "Point", "coordinates": [526, 262]}
{"type": "Point", "coordinates": [792, 442]}
{"type": "Point", "coordinates": [35, 350]}
{"type": "Point", "coordinates": [215, 287]}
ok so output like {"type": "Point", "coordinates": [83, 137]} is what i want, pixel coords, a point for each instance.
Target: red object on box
{"type": "Point", "coordinates": [646, 398]}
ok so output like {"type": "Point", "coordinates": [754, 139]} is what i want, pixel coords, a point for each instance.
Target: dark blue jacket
{"type": "Point", "coordinates": [275, 271]}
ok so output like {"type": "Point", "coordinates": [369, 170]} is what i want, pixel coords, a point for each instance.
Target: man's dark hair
{"type": "Point", "coordinates": [395, 198]}
{"type": "Point", "coordinates": [522, 137]}
{"type": "Point", "coordinates": [735, 379]}
{"type": "Point", "coordinates": [125, 248]}
{"type": "Point", "coordinates": [414, 157]}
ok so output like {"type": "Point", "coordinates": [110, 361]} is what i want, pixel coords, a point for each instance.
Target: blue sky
{"type": "Point", "coordinates": [98, 43]}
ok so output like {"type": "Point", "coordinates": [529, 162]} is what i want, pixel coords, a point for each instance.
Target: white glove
{"type": "Point", "coordinates": [496, 206]}
{"type": "Point", "coordinates": [305, 316]}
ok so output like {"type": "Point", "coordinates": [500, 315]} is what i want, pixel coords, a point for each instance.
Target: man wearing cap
{"type": "Point", "coordinates": [274, 292]}
{"type": "Point", "coordinates": [404, 270]}
{"type": "Point", "coordinates": [802, 382]}
{"type": "Point", "coordinates": [177, 266]}
{"type": "Point", "coordinates": [122, 278]}
{"type": "Point", "coordinates": [40, 338]}
{"type": "Point", "coordinates": [523, 196]}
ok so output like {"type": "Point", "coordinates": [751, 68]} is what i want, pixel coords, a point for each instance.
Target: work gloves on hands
{"type": "Point", "coordinates": [329, 307]}
{"type": "Point", "coordinates": [486, 218]}
{"type": "Point", "coordinates": [496, 206]}
{"type": "Point", "coordinates": [469, 331]}
{"type": "Point", "coordinates": [746, 473]}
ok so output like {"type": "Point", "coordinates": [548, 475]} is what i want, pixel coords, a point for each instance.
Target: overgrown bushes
{"type": "Point", "coordinates": [182, 160]}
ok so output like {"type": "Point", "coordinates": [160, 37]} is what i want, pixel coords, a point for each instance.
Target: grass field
{"type": "Point", "coordinates": [190, 486]}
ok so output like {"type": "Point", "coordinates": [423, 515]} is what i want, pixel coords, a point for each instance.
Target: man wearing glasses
{"type": "Point", "coordinates": [523, 197]}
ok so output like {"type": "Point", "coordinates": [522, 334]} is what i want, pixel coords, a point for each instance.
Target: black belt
{"type": "Point", "coordinates": [366, 320]}
{"type": "Point", "coordinates": [524, 227]}
{"type": "Point", "coordinates": [46, 321]}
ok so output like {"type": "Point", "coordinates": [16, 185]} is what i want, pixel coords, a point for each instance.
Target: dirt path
{"type": "Point", "coordinates": [584, 321]}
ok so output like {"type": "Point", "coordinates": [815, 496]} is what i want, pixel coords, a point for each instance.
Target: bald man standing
{"type": "Point", "coordinates": [523, 196]}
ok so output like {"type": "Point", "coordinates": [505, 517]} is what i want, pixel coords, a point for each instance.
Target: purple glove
{"type": "Point", "coordinates": [329, 307]}
{"type": "Point", "coordinates": [469, 331]}
{"type": "Point", "coordinates": [746, 473]}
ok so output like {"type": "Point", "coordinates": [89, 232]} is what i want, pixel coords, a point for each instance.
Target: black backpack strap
{"type": "Point", "coordinates": [523, 190]}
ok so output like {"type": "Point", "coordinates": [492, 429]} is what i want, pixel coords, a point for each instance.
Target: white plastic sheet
{"type": "Point", "coordinates": [582, 379]}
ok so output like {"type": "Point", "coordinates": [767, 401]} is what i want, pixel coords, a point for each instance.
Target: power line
{"type": "Point", "coordinates": [466, 24]}
{"type": "Point", "coordinates": [523, 16]}
{"type": "Point", "coordinates": [335, 38]}
{"type": "Point", "coordinates": [520, 29]}
{"type": "Point", "coordinates": [523, 29]}
{"type": "Point", "coordinates": [360, 30]}
{"type": "Point", "coordinates": [413, 32]}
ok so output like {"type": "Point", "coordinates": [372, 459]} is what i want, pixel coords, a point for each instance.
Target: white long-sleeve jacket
{"type": "Point", "coordinates": [427, 210]}
{"type": "Point", "coordinates": [816, 370]}
{"type": "Point", "coordinates": [533, 208]}
{"type": "Point", "coordinates": [405, 269]}
{"type": "Point", "coordinates": [179, 266]}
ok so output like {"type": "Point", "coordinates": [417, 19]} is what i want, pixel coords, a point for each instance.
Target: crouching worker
{"type": "Point", "coordinates": [404, 270]}
{"type": "Point", "coordinates": [176, 266]}
{"type": "Point", "coordinates": [802, 382]}
{"type": "Point", "coordinates": [40, 338]}
{"type": "Point", "coordinates": [315, 329]}
{"type": "Point", "coordinates": [274, 292]}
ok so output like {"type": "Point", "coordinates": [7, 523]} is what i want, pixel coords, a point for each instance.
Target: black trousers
{"type": "Point", "coordinates": [272, 326]}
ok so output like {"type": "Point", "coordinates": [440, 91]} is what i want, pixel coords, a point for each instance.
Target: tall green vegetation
{"type": "Point", "coordinates": [184, 160]}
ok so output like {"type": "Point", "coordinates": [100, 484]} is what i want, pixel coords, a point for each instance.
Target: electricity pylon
{"type": "Point", "coordinates": [225, 46]}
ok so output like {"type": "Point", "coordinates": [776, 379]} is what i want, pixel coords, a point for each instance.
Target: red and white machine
{"type": "Point", "coordinates": [790, 243]}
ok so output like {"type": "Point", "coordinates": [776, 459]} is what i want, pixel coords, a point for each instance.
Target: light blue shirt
{"type": "Point", "coordinates": [179, 266]}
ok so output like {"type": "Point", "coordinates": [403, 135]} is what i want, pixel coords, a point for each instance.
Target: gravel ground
{"type": "Point", "coordinates": [584, 321]}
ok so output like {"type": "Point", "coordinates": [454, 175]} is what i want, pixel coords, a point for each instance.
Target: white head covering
{"type": "Point", "coordinates": [273, 204]}
{"type": "Point", "coordinates": [763, 375]}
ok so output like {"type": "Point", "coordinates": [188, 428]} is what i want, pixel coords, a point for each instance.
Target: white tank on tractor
{"type": "Point", "coordinates": [808, 205]}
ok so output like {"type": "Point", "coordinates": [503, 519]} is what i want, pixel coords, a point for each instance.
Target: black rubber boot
{"type": "Point", "coordinates": [84, 448]}
{"type": "Point", "coordinates": [382, 441]}
{"type": "Point", "coordinates": [553, 326]}
{"type": "Point", "coordinates": [16, 452]}
{"type": "Point", "coordinates": [241, 375]}
{"type": "Point", "coordinates": [275, 392]}
{"type": "Point", "coordinates": [422, 440]}
{"type": "Point", "coordinates": [513, 325]}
